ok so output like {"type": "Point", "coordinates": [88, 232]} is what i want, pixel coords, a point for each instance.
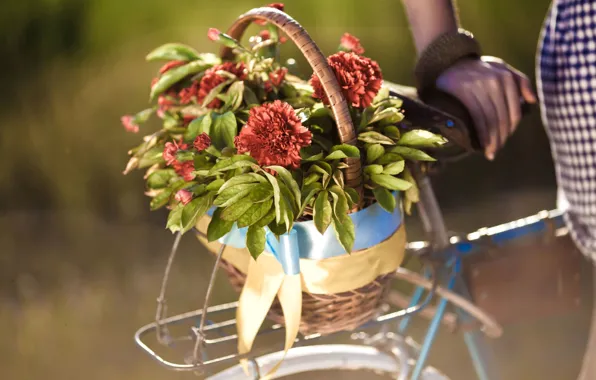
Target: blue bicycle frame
{"type": "Point", "coordinates": [451, 251]}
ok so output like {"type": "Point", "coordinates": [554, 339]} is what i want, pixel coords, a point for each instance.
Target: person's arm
{"type": "Point", "coordinates": [490, 91]}
{"type": "Point", "coordinates": [429, 19]}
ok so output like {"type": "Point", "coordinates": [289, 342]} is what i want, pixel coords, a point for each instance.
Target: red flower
{"type": "Point", "coordinates": [170, 65]}
{"type": "Point", "coordinates": [265, 35]}
{"type": "Point", "coordinates": [170, 150]}
{"type": "Point", "coordinates": [279, 6]}
{"type": "Point", "coordinates": [351, 43]}
{"type": "Point", "coordinates": [359, 77]}
{"type": "Point", "coordinates": [211, 80]}
{"type": "Point", "coordinates": [185, 170]}
{"type": "Point", "coordinates": [213, 34]}
{"type": "Point", "coordinates": [202, 142]}
{"type": "Point", "coordinates": [129, 125]}
{"type": "Point", "coordinates": [183, 196]}
{"type": "Point", "coordinates": [278, 76]}
{"type": "Point", "coordinates": [275, 78]}
{"type": "Point", "coordinates": [273, 135]}
{"type": "Point", "coordinates": [187, 94]}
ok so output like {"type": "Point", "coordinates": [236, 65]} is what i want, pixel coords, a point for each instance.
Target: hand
{"type": "Point", "coordinates": [490, 89]}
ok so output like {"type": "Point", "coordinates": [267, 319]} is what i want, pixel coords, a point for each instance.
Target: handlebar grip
{"type": "Point", "coordinates": [463, 120]}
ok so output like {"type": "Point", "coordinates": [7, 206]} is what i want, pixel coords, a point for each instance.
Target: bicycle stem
{"type": "Point", "coordinates": [430, 212]}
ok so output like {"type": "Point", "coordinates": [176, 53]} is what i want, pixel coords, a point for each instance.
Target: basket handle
{"type": "Point", "coordinates": [318, 62]}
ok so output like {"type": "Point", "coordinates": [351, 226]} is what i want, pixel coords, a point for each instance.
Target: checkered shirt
{"type": "Point", "coordinates": [566, 74]}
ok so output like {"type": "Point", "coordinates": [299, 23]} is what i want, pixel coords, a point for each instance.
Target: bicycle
{"type": "Point", "coordinates": [385, 351]}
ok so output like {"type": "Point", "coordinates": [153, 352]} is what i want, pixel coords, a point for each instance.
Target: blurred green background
{"type": "Point", "coordinates": [81, 255]}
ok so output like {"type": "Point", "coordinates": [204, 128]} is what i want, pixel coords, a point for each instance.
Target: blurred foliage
{"type": "Point", "coordinates": [71, 68]}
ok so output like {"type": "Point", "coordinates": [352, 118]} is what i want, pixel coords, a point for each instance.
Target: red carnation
{"type": "Point", "coordinates": [202, 142]}
{"type": "Point", "coordinates": [187, 94]}
{"type": "Point", "coordinates": [273, 135]}
{"type": "Point", "coordinates": [213, 34]}
{"type": "Point", "coordinates": [359, 78]}
{"type": "Point", "coordinates": [183, 196]}
{"type": "Point", "coordinates": [185, 169]}
{"type": "Point", "coordinates": [211, 80]}
{"type": "Point", "coordinates": [128, 123]}
{"type": "Point", "coordinates": [351, 43]}
{"type": "Point", "coordinates": [170, 150]}
{"type": "Point", "coordinates": [279, 6]}
{"type": "Point", "coordinates": [170, 65]}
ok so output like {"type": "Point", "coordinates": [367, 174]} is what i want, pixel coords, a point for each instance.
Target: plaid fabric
{"type": "Point", "coordinates": [567, 91]}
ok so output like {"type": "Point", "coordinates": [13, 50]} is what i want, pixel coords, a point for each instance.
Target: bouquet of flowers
{"type": "Point", "coordinates": [259, 145]}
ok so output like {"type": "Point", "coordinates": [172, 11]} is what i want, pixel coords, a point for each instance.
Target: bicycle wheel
{"type": "Point", "coordinates": [337, 357]}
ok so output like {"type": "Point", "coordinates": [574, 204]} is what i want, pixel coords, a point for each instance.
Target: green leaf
{"type": "Point", "coordinates": [309, 153]}
{"type": "Point", "coordinates": [289, 181]}
{"type": "Point", "coordinates": [320, 110]}
{"type": "Point", "coordinates": [337, 155]}
{"type": "Point", "coordinates": [181, 184]}
{"type": "Point", "coordinates": [213, 151]}
{"type": "Point", "coordinates": [412, 195]}
{"type": "Point", "coordinates": [268, 218]}
{"type": "Point", "coordinates": [215, 91]}
{"type": "Point", "coordinates": [235, 93]}
{"type": "Point", "coordinates": [185, 155]}
{"type": "Point", "coordinates": [160, 199]}
{"type": "Point", "coordinates": [218, 227]}
{"type": "Point", "coordinates": [373, 169]}
{"type": "Point", "coordinates": [249, 96]}
{"type": "Point", "coordinates": [175, 75]}
{"type": "Point", "coordinates": [389, 158]}
{"type": "Point", "coordinates": [255, 213]}
{"type": "Point", "coordinates": [233, 212]}
{"type": "Point", "coordinates": [367, 114]}
{"type": "Point", "coordinates": [151, 157]}
{"type": "Point", "coordinates": [421, 139]}
{"type": "Point", "coordinates": [391, 114]}
{"type": "Point", "coordinates": [231, 163]}
{"type": "Point", "coordinates": [394, 168]}
{"type": "Point", "coordinates": [173, 52]}
{"type": "Point", "coordinates": [174, 218]}
{"type": "Point", "coordinates": [232, 194]}
{"type": "Point", "coordinates": [194, 210]}
{"type": "Point", "coordinates": [215, 185]}
{"type": "Point", "coordinates": [243, 178]}
{"type": "Point", "coordinates": [322, 211]}
{"type": "Point", "coordinates": [385, 198]}
{"type": "Point", "coordinates": [352, 195]}
{"type": "Point", "coordinates": [160, 178]}
{"type": "Point", "coordinates": [224, 129]}
{"type": "Point", "coordinates": [345, 232]}
{"type": "Point", "coordinates": [202, 124]}
{"type": "Point", "coordinates": [373, 152]}
{"type": "Point", "coordinates": [260, 193]}
{"type": "Point", "coordinates": [277, 229]}
{"type": "Point", "coordinates": [143, 116]}
{"type": "Point", "coordinates": [391, 131]}
{"type": "Point", "coordinates": [288, 204]}
{"type": "Point", "coordinates": [381, 95]}
{"type": "Point", "coordinates": [349, 150]}
{"type": "Point", "coordinates": [199, 189]}
{"type": "Point", "coordinates": [312, 178]}
{"type": "Point", "coordinates": [373, 137]}
{"type": "Point", "coordinates": [411, 153]}
{"type": "Point", "coordinates": [255, 241]}
{"type": "Point", "coordinates": [309, 192]}
{"type": "Point", "coordinates": [390, 182]}
{"type": "Point", "coordinates": [276, 195]}
{"type": "Point", "coordinates": [318, 169]}
{"type": "Point", "coordinates": [338, 178]}
{"type": "Point", "coordinates": [340, 204]}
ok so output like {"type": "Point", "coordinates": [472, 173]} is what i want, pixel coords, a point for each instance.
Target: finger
{"type": "Point", "coordinates": [500, 123]}
{"type": "Point", "coordinates": [525, 88]}
{"type": "Point", "coordinates": [512, 100]}
{"type": "Point", "coordinates": [477, 113]}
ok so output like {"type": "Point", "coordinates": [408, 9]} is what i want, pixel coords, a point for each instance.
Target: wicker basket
{"type": "Point", "coordinates": [321, 313]}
